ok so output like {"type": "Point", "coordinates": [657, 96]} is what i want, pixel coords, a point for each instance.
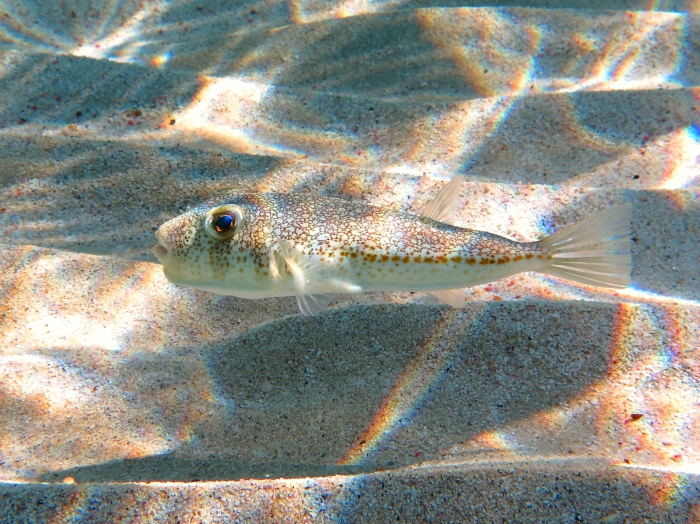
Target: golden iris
{"type": "Point", "coordinates": [222, 222]}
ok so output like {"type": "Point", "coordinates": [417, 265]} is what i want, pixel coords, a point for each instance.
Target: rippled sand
{"type": "Point", "coordinates": [125, 397]}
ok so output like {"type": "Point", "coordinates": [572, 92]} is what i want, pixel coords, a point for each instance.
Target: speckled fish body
{"type": "Point", "coordinates": [307, 246]}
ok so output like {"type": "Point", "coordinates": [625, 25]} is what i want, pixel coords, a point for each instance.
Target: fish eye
{"type": "Point", "coordinates": [223, 222]}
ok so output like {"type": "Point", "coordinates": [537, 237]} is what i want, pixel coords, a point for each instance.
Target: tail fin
{"type": "Point", "coordinates": [595, 251]}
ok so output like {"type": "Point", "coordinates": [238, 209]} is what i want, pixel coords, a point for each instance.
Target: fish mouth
{"type": "Point", "coordinates": [160, 250]}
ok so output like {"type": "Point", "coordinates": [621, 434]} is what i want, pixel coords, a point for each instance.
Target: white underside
{"type": "Point", "coordinates": [458, 281]}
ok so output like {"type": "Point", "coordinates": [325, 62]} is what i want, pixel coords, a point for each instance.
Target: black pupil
{"type": "Point", "coordinates": [224, 223]}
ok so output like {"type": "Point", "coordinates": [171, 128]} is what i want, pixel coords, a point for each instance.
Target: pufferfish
{"type": "Point", "coordinates": [257, 245]}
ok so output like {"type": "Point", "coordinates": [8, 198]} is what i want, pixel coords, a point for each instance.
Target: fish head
{"type": "Point", "coordinates": [215, 246]}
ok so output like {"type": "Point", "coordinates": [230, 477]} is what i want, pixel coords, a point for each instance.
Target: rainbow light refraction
{"type": "Point", "coordinates": [424, 370]}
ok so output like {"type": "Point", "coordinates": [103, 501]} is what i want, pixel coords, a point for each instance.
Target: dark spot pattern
{"type": "Point", "coordinates": [349, 238]}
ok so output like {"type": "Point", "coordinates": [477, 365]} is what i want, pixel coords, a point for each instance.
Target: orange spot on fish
{"type": "Point", "coordinates": [353, 255]}
{"type": "Point", "coordinates": [442, 260]}
{"type": "Point", "coordinates": [406, 259]}
{"type": "Point", "coordinates": [385, 258]}
{"type": "Point", "coordinates": [518, 258]}
{"type": "Point", "coordinates": [457, 259]}
{"type": "Point", "coordinates": [471, 261]}
{"type": "Point", "coordinates": [539, 257]}
{"type": "Point", "coordinates": [428, 260]}
{"type": "Point", "coordinates": [483, 261]}
{"type": "Point", "coordinates": [529, 256]}
{"type": "Point", "coordinates": [395, 258]}
{"type": "Point", "coordinates": [417, 259]}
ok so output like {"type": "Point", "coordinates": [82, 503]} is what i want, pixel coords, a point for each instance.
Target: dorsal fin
{"type": "Point", "coordinates": [443, 207]}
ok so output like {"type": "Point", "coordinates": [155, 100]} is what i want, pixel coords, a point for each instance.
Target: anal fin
{"type": "Point", "coordinates": [453, 297]}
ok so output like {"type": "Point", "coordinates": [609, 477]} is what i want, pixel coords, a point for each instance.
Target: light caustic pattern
{"type": "Point", "coordinates": [126, 314]}
{"type": "Point", "coordinates": [70, 362]}
{"type": "Point", "coordinates": [497, 53]}
{"type": "Point", "coordinates": [425, 369]}
{"type": "Point", "coordinates": [645, 411]}
{"type": "Point", "coordinates": [283, 500]}
{"type": "Point", "coordinates": [458, 134]}
{"type": "Point", "coordinates": [654, 365]}
{"type": "Point", "coordinates": [501, 75]}
{"type": "Point", "coordinates": [645, 408]}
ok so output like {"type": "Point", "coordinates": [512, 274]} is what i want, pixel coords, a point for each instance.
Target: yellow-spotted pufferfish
{"type": "Point", "coordinates": [257, 245]}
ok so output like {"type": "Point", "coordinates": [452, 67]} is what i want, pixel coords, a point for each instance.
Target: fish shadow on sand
{"type": "Point", "coordinates": [367, 388]}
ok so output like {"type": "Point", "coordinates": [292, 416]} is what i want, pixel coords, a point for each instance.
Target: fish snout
{"type": "Point", "coordinates": [161, 249]}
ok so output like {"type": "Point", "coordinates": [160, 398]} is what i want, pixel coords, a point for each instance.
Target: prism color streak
{"type": "Point", "coordinates": [424, 371]}
{"type": "Point", "coordinates": [315, 131]}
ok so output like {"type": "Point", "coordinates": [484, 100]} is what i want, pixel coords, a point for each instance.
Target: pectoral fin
{"type": "Point", "coordinates": [443, 207]}
{"type": "Point", "coordinates": [453, 297]}
{"type": "Point", "coordinates": [313, 280]}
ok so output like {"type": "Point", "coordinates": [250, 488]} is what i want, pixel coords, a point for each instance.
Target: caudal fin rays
{"type": "Point", "coordinates": [595, 251]}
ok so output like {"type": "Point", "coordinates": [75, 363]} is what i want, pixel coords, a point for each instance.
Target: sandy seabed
{"type": "Point", "coordinates": [125, 398]}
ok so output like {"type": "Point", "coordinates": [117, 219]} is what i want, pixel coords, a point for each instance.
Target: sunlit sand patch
{"type": "Point", "coordinates": [114, 26]}
{"type": "Point", "coordinates": [230, 113]}
{"type": "Point", "coordinates": [557, 289]}
{"type": "Point", "coordinates": [489, 441]}
{"type": "Point", "coordinates": [489, 67]}
{"type": "Point", "coordinates": [682, 158]}
{"type": "Point", "coordinates": [68, 359]}
{"type": "Point", "coordinates": [621, 58]}
{"type": "Point", "coordinates": [124, 42]}
{"type": "Point", "coordinates": [393, 191]}
{"type": "Point", "coordinates": [643, 381]}
{"type": "Point", "coordinates": [307, 11]}
{"type": "Point", "coordinates": [42, 380]}
{"type": "Point", "coordinates": [452, 136]}
{"type": "Point", "coordinates": [50, 394]}
{"type": "Point", "coordinates": [48, 324]}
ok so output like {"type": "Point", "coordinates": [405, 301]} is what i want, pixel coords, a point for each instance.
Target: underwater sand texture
{"type": "Point", "coordinates": [124, 397]}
